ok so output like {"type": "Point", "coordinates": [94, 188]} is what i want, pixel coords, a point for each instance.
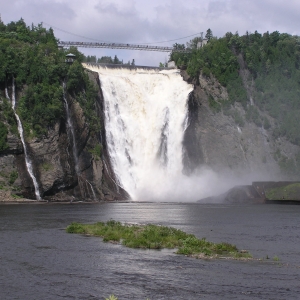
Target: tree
{"type": "Point", "coordinates": [117, 61]}
{"type": "Point", "coordinates": [209, 34]}
{"type": "Point", "coordinates": [192, 44]}
{"type": "Point", "coordinates": [105, 60]}
{"type": "Point", "coordinates": [177, 46]}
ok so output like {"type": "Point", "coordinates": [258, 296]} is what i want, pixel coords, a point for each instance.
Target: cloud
{"type": "Point", "coordinates": [140, 21]}
{"type": "Point", "coordinates": [33, 11]}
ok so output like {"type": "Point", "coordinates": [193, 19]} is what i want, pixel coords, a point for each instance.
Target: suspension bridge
{"type": "Point", "coordinates": [121, 46]}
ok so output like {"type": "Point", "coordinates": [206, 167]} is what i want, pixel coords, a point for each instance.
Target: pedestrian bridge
{"type": "Point", "coordinates": [121, 46]}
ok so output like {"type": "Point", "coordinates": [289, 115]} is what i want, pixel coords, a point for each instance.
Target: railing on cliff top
{"type": "Point", "coordinates": [121, 46]}
{"type": "Point", "coordinates": [125, 66]}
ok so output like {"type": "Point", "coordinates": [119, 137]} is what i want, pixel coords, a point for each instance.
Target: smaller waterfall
{"type": "Point", "coordinates": [92, 189]}
{"type": "Point", "coordinates": [81, 180]}
{"type": "Point", "coordinates": [163, 148]}
{"type": "Point", "coordinates": [6, 93]}
{"type": "Point", "coordinates": [71, 129]}
{"type": "Point", "coordinates": [21, 132]}
{"type": "Point", "coordinates": [108, 173]}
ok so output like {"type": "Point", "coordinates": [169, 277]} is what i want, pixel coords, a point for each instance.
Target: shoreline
{"type": "Point", "coordinates": [77, 202]}
{"type": "Point", "coordinates": [46, 202]}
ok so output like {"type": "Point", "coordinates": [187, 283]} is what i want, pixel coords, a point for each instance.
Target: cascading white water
{"type": "Point", "coordinates": [92, 189]}
{"type": "Point", "coordinates": [145, 119]}
{"type": "Point", "coordinates": [74, 146]}
{"type": "Point", "coordinates": [21, 132]}
{"type": "Point", "coordinates": [71, 129]}
{"type": "Point", "coordinates": [6, 93]}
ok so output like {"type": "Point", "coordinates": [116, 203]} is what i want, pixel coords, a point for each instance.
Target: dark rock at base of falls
{"type": "Point", "coordinates": [277, 192]}
{"type": "Point", "coordinates": [237, 194]}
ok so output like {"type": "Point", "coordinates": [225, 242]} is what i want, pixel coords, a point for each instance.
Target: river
{"type": "Point", "coordinates": [39, 260]}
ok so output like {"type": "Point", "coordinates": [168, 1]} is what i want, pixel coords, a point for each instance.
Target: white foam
{"type": "Point", "coordinates": [145, 118]}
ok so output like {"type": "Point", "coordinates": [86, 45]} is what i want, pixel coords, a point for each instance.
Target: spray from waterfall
{"type": "Point", "coordinates": [21, 132]}
{"type": "Point", "coordinates": [71, 130]}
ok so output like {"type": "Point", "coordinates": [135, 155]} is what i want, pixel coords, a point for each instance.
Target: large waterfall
{"type": "Point", "coordinates": [145, 118]}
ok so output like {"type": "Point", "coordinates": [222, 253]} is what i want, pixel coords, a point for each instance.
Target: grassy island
{"type": "Point", "coordinates": [158, 237]}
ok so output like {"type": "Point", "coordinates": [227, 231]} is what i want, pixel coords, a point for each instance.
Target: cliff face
{"type": "Point", "coordinates": [62, 174]}
{"type": "Point", "coordinates": [216, 138]}
{"type": "Point", "coordinates": [226, 142]}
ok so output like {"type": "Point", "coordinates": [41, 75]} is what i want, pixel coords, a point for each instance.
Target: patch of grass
{"type": "Point", "coordinates": [238, 119]}
{"type": "Point", "coordinates": [47, 166]}
{"type": "Point", "coordinates": [3, 137]}
{"type": "Point", "coordinates": [112, 297]}
{"type": "Point", "coordinates": [276, 258]}
{"type": "Point", "coordinates": [16, 196]}
{"type": "Point", "coordinates": [288, 192]}
{"type": "Point", "coordinates": [157, 237]}
{"type": "Point", "coordinates": [97, 151]}
{"type": "Point", "coordinates": [12, 177]}
{"type": "Point", "coordinates": [213, 104]}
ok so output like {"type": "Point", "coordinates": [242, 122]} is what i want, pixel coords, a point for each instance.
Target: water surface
{"type": "Point", "coordinates": [39, 260]}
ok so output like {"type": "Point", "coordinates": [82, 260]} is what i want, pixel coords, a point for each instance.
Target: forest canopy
{"type": "Point", "coordinates": [273, 60]}
{"type": "Point", "coordinates": [30, 56]}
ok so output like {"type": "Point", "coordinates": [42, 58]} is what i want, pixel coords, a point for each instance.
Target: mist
{"type": "Point", "coordinates": [203, 184]}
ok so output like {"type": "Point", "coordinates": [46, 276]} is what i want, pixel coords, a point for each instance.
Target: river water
{"type": "Point", "coordinates": [39, 260]}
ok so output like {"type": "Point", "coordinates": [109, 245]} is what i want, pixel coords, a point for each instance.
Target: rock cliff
{"type": "Point", "coordinates": [62, 175]}
{"type": "Point", "coordinates": [223, 139]}
{"type": "Point", "coordinates": [216, 138]}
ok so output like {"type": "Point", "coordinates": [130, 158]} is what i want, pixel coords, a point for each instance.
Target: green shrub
{"type": "Point", "coordinates": [112, 297]}
{"type": "Point", "coordinates": [76, 228]}
{"type": "Point", "coordinates": [206, 71]}
{"type": "Point", "coordinates": [47, 166]}
{"type": "Point", "coordinates": [12, 177]}
{"type": "Point", "coordinates": [238, 119]}
{"type": "Point", "coordinates": [253, 115]}
{"type": "Point", "coordinates": [213, 104]}
{"type": "Point", "coordinates": [3, 137]}
{"type": "Point", "coordinates": [97, 151]}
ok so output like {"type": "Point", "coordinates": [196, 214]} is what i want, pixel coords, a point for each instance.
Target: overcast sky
{"type": "Point", "coordinates": [151, 21]}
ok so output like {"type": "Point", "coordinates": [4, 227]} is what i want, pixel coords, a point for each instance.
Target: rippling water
{"type": "Point", "coordinates": [38, 260]}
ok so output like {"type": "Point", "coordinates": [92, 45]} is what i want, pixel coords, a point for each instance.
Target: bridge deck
{"type": "Point", "coordinates": [120, 46]}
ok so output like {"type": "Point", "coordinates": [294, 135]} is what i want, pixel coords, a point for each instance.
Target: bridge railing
{"type": "Point", "coordinates": [120, 46]}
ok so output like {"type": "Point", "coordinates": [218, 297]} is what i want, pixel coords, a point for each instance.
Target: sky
{"type": "Point", "coordinates": [151, 21]}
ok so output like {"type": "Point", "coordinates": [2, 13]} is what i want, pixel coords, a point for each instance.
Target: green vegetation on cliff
{"type": "Point", "coordinates": [3, 137]}
{"type": "Point", "coordinates": [273, 62]}
{"type": "Point", "coordinates": [30, 57]}
{"type": "Point", "coordinates": [156, 237]}
{"type": "Point", "coordinates": [287, 192]}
